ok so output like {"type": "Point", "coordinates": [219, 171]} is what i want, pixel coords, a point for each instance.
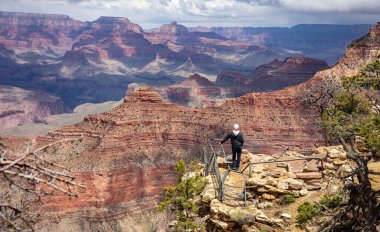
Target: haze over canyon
{"type": "Point", "coordinates": [75, 62]}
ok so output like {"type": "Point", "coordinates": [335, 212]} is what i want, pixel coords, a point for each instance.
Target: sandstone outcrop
{"type": "Point", "coordinates": [271, 190]}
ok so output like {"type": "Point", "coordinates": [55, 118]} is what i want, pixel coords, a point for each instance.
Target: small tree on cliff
{"type": "Point", "coordinates": [353, 118]}
{"type": "Point", "coordinates": [317, 95]}
{"type": "Point", "coordinates": [180, 199]}
{"type": "Point", "coordinates": [25, 176]}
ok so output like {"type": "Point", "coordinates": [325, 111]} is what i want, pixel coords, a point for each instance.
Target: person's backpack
{"type": "Point", "coordinates": [236, 137]}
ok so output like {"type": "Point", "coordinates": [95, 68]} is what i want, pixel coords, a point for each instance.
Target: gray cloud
{"type": "Point", "coordinates": [150, 13]}
{"type": "Point", "coordinates": [349, 6]}
{"type": "Point", "coordinates": [261, 2]}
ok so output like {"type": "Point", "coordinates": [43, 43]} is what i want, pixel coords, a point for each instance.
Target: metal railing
{"type": "Point", "coordinates": [211, 167]}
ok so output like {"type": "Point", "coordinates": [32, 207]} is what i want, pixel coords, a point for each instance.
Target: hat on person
{"type": "Point", "coordinates": [236, 126]}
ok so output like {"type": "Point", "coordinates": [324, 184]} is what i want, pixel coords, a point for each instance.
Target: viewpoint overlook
{"type": "Point", "coordinates": [109, 126]}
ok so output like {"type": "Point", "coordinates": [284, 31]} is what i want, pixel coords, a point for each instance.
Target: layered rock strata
{"type": "Point", "coordinates": [20, 106]}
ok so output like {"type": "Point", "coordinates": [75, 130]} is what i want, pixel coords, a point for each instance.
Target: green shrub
{"type": "Point", "coordinates": [180, 198]}
{"type": "Point", "coordinates": [288, 198]}
{"type": "Point", "coordinates": [306, 212]}
{"type": "Point", "coordinates": [181, 168]}
{"type": "Point", "coordinates": [331, 202]}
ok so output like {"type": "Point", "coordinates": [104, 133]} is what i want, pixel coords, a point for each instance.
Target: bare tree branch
{"type": "Point", "coordinates": [34, 174]}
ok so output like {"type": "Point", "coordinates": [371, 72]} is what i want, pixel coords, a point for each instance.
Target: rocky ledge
{"type": "Point", "coordinates": [270, 182]}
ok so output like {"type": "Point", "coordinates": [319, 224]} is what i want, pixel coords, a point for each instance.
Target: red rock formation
{"type": "Point", "coordinates": [196, 91]}
{"type": "Point", "coordinates": [146, 131]}
{"type": "Point", "coordinates": [275, 75]}
{"type": "Point", "coordinates": [21, 106]}
{"type": "Point", "coordinates": [280, 74]}
{"type": "Point", "coordinates": [167, 32]}
{"type": "Point", "coordinates": [127, 154]}
{"type": "Point", "coordinates": [108, 38]}
{"type": "Point", "coordinates": [26, 32]}
{"type": "Point", "coordinates": [326, 42]}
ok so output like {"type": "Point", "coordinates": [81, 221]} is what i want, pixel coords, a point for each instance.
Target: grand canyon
{"type": "Point", "coordinates": [153, 97]}
{"type": "Point", "coordinates": [93, 62]}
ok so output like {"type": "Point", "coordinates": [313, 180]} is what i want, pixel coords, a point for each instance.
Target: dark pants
{"type": "Point", "coordinates": [236, 155]}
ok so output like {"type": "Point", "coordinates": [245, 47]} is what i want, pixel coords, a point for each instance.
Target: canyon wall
{"type": "Point", "coordinates": [19, 106]}
{"type": "Point", "coordinates": [139, 141]}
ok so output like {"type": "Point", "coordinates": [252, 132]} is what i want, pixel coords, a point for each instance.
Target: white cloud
{"type": "Point", "coordinates": [349, 6]}
{"type": "Point", "coordinates": [149, 13]}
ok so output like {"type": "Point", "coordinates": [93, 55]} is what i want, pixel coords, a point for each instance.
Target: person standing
{"type": "Point", "coordinates": [237, 141]}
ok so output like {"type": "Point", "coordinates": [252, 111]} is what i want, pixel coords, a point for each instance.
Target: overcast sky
{"type": "Point", "coordinates": [151, 13]}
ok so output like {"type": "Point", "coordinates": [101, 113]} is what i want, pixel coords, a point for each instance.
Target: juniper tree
{"type": "Point", "coordinates": [352, 117]}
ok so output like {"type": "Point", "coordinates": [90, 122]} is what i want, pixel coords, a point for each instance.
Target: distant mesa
{"type": "Point", "coordinates": [95, 62]}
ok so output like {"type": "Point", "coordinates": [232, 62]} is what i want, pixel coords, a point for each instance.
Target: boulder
{"type": "Point", "coordinates": [246, 158]}
{"type": "Point", "coordinates": [208, 193]}
{"type": "Point", "coordinates": [265, 205]}
{"type": "Point", "coordinates": [232, 214]}
{"type": "Point", "coordinates": [257, 168]}
{"type": "Point", "coordinates": [220, 211]}
{"type": "Point", "coordinates": [296, 166]}
{"type": "Point", "coordinates": [256, 181]}
{"type": "Point", "coordinates": [309, 175]}
{"type": "Point", "coordinates": [269, 197]}
{"type": "Point", "coordinates": [334, 151]}
{"type": "Point", "coordinates": [294, 154]}
{"type": "Point", "coordinates": [329, 166]}
{"type": "Point", "coordinates": [263, 190]}
{"type": "Point", "coordinates": [221, 224]}
{"type": "Point", "coordinates": [339, 162]}
{"type": "Point", "coordinates": [320, 151]}
{"type": "Point", "coordinates": [311, 166]}
{"type": "Point", "coordinates": [294, 184]}
{"type": "Point", "coordinates": [283, 184]}
{"type": "Point", "coordinates": [278, 173]}
{"type": "Point", "coordinates": [272, 189]}
{"type": "Point", "coordinates": [344, 169]}
{"type": "Point", "coordinates": [303, 192]}
{"type": "Point", "coordinates": [291, 175]}
{"type": "Point", "coordinates": [261, 217]}
{"type": "Point", "coordinates": [271, 181]}
{"type": "Point", "coordinates": [286, 216]}
{"type": "Point", "coordinates": [241, 216]}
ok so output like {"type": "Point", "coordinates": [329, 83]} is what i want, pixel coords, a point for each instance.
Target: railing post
{"type": "Point", "coordinates": [219, 180]}
{"type": "Point", "coordinates": [245, 191]}
{"type": "Point", "coordinates": [211, 164]}
{"type": "Point", "coordinates": [250, 170]}
{"type": "Point", "coordinates": [205, 160]}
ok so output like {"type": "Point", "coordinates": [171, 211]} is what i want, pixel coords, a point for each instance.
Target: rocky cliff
{"type": "Point", "coordinates": [93, 62]}
{"type": "Point", "coordinates": [197, 91]}
{"type": "Point", "coordinates": [126, 155]}
{"type": "Point", "coordinates": [40, 36]}
{"type": "Point", "coordinates": [274, 75]}
{"type": "Point", "coordinates": [22, 106]}
{"type": "Point", "coordinates": [326, 42]}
